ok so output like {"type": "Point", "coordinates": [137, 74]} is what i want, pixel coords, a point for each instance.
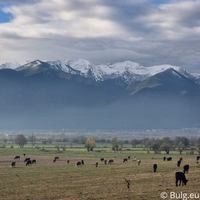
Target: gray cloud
{"type": "Point", "coordinates": [102, 31]}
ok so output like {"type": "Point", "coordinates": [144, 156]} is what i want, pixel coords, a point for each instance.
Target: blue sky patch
{"type": "Point", "coordinates": [5, 17]}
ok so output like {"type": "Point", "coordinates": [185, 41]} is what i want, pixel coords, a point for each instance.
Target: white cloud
{"type": "Point", "coordinates": [152, 32]}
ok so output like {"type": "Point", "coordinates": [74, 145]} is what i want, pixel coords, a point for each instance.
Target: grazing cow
{"type": "Point", "coordinates": [26, 159]}
{"type": "Point", "coordinates": [164, 158]}
{"type": "Point", "coordinates": [28, 162]}
{"type": "Point", "coordinates": [33, 161]}
{"type": "Point", "coordinates": [129, 157]}
{"type": "Point", "coordinates": [110, 161]}
{"type": "Point", "coordinates": [105, 162]}
{"type": "Point", "coordinates": [181, 159]}
{"type": "Point", "coordinates": [198, 157]}
{"type": "Point", "coordinates": [169, 159]}
{"type": "Point", "coordinates": [78, 163]}
{"type": "Point", "coordinates": [185, 169]}
{"type": "Point", "coordinates": [101, 159]}
{"type": "Point", "coordinates": [67, 161]}
{"type": "Point", "coordinates": [139, 161]}
{"type": "Point", "coordinates": [180, 176]}
{"type": "Point", "coordinates": [178, 163]}
{"type": "Point", "coordinates": [96, 164]}
{"type": "Point", "coordinates": [155, 167]}
{"type": "Point", "coordinates": [125, 160]}
{"type": "Point", "coordinates": [12, 164]}
{"type": "Point", "coordinates": [134, 160]}
{"type": "Point", "coordinates": [56, 158]}
{"type": "Point", "coordinates": [82, 162]}
{"type": "Point", "coordinates": [16, 157]}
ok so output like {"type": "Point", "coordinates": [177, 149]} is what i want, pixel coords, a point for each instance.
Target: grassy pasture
{"type": "Point", "coordinates": [62, 181]}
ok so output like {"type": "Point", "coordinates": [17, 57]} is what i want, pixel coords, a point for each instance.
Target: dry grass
{"type": "Point", "coordinates": [62, 181]}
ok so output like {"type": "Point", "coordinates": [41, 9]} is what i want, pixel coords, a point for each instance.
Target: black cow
{"type": "Point", "coordinates": [28, 162]}
{"type": "Point", "coordinates": [78, 163]}
{"type": "Point", "coordinates": [155, 167]}
{"type": "Point", "coordinates": [186, 168]}
{"type": "Point", "coordinates": [164, 158]}
{"type": "Point", "coordinates": [101, 159]}
{"type": "Point", "coordinates": [129, 157]}
{"type": "Point", "coordinates": [56, 158]}
{"type": "Point", "coordinates": [110, 161]}
{"type": "Point", "coordinates": [198, 157]}
{"type": "Point", "coordinates": [16, 157]}
{"type": "Point", "coordinates": [82, 162]}
{"type": "Point", "coordinates": [178, 163]}
{"type": "Point", "coordinates": [12, 164]}
{"type": "Point", "coordinates": [180, 176]}
{"type": "Point", "coordinates": [33, 161]}
{"type": "Point", "coordinates": [125, 160]}
{"type": "Point", "coordinates": [105, 162]}
{"type": "Point", "coordinates": [26, 159]}
{"type": "Point", "coordinates": [169, 159]}
{"type": "Point", "coordinates": [24, 154]}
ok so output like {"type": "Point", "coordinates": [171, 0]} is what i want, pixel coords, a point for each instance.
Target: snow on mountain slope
{"type": "Point", "coordinates": [10, 65]}
{"type": "Point", "coordinates": [127, 71]}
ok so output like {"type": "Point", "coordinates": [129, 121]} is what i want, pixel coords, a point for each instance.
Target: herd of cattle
{"type": "Point", "coordinates": [28, 161]}
{"type": "Point", "coordinates": [179, 176]}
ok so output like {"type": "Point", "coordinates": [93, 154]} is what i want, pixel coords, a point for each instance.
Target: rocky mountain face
{"type": "Point", "coordinates": [78, 94]}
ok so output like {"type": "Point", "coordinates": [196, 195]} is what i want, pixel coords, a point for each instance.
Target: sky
{"type": "Point", "coordinates": [149, 32]}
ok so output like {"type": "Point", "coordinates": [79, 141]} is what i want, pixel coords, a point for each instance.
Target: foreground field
{"type": "Point", "coordinates": [59, 180]}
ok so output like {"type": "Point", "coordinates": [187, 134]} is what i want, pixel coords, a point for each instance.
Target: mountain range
{"type": "Point", "coordinates": [78, 94]}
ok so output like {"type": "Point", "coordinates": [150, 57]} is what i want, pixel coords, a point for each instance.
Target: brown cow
{"type": "Point", "coordinates": [110, 161]}
{"type": "Point", "coordinates": [125, 160]}
{"type": "Point", "coordinates": [78, 163]}
{"type": "Point", "coordinates": [96, 164]}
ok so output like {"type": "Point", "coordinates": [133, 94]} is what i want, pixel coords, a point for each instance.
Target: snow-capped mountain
{"type": "Point", "coordinates": [78, 94]}
{"type": "Point", "coordinates": [126, 71]}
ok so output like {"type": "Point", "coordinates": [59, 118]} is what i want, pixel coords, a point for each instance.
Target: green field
{"type": "Point", "coordinates": [62, 181]}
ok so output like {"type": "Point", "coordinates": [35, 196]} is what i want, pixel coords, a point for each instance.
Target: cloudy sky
{"type": "Point", "coordinates": [149, 32]}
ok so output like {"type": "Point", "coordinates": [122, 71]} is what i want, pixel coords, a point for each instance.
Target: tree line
{"type": "Point", "coordinates": [156, 144]}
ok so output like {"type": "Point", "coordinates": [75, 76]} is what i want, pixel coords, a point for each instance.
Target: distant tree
{"type": "Point", "coordinates": [115, 147]}
{"type": "Point", "coordinates": [156, 146]}
{"type": "Point", "coordinates": [178, 139]}
{"type": "Point", "coordinates": [181, 146]}
{"type": "Point", "coordinates": [149, 143]}
{"type": "Point", "coordinates": [113, 140]}
{"type": "Point", "coordinates": [90, 144]}
{"type": "Point", "coordinates": [121, 143]}
{"type": "Point", "coordinates": [79, 139]}
{"type": "Point", "coordinates": [20, 140]}
{"type": "Point", "coordinates": [134, 142]}
{"type": "Point", "coordinates": [50, 140]}
{"type": "Point", "coordinates": [32, 139]}
{"type": "Point", "coordinates": [198, 143]}
{"type": "Point", "coordinates": [166, 147]}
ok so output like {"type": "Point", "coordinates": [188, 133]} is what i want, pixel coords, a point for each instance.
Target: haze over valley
{"type": "Point", "coordinates": [80, 95]}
